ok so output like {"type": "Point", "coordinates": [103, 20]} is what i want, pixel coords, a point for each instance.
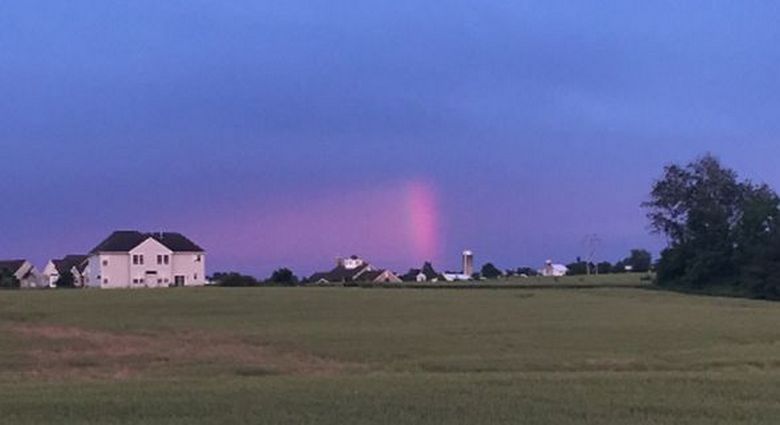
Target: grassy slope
{"type": "Point", "coordinates": [413, 356]}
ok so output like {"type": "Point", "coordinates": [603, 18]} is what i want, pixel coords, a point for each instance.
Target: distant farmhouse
{"type": "Point", "coordinates": [24, 272]}
{"type": "Point", "coordinates": [425, 274]}
{"type": "Point", "coordinates": [354, 270]}
{"type": "Point", "coordinates": [468, 268]}
{"type": "Point", "coordinates": [131, 259]}
{"type": "Point", "coordinates": [76, 265]}
{"type": "Point", "coordinates": [553, 270]}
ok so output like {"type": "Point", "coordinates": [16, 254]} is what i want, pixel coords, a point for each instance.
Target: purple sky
{"type": "Point", "coordinates": [291, 132]}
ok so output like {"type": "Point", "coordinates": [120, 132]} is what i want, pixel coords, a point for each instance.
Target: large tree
{"type": "Point", "coordinates": [713, 222]}
{"type": "Point", "coordinates": [490, 271]}
{"type": "Point", "coordinates": [283, 276]}
{"type": "Point", "coordinates": [640, 260]}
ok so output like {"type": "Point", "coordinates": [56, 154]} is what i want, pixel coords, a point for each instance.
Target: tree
{"type": "Point", "coordinates": [604, 267]}
{"type": "Point", "coordinates": [429, 271]}
{"type": "Point", "coordinates": [8, 280]}
{"type": "Point", "coordinates": [695, 207]}
{"type": "Point", "coordinates": [527, 271]}
{"type": "Point", "coordinates": [489, 271]}
{"type": "Point", "coordinates": [640, 260]}
{"type": "Point", "coordinates": [579, 267]}
{"type": "Point", "coordinates": [233, 279]}
{"type": "Point", "coordinates": [619, 267]}
{"type": "Point", "coordinates": [761, 275]}
{"type": "Point", "coordinates": [66, 281]}
{"type": "Point", "coordinates": [718, 228]}
{"type": "Point", "coordinates": [283, 276]}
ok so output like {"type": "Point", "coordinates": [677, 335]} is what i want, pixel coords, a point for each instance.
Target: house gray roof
{"type": "Point", "coordinates": [11, 265]}
{"type": "Point", "coordinates": [66, 264]}
{"type": "Point", "coordinates": [370, 276]}
{"type": "Point", "coordinates": [126, 240]}
{"type": "Point", "coordinates": [339, 274]}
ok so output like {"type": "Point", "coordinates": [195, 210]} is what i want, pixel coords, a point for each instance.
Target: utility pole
{"type": "Point", "coordinates": [591, 242]}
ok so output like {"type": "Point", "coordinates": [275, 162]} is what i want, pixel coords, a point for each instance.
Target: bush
{"type": "Point", "coordinates": [233, 279]}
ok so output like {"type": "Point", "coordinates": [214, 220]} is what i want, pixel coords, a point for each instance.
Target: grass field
{"type": "Point", "coordinates": [387, 356]}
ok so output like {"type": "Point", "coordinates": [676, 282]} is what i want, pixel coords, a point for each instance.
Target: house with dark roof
{"type": "Point", "coordinates": [426, 274]}
{"type": "Point", "coordinates": [24, 272]}
{"type": "Point", "coordinates": [354, 270]}
{"type": "Point", "coordinates": [132, 259]}
{"type": "Point", "coordinates": [76, 265]}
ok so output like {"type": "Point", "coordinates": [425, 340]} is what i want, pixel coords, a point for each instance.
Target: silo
{"type": "Point", "coordinates": [468, 263]}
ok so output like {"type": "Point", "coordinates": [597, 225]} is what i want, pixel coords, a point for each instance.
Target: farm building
{"type": "Point", "coordinates": [354, 269]}
{"type": "Point", "coordinates": [425, 274]}
{"type": "Point", "coordinates": [553, 270]}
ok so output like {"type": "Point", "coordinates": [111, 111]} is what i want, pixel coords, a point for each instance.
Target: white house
{"type": "Point", "coordinates": [75, 264]}
{"type": "Point", "coordinates": [25, 272]}
{"type": "Point", "coordinates": [553, 270]}
{"type": "Point", "coordinates": [130, 259]}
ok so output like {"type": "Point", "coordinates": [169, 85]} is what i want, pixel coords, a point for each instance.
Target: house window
{"type": "Point", "coordinates": [159, 259]}
{"type": "Point", "coordinates": [197, 258]}
{"type": "Point", "coordinates": [195, 276]}
{"type": "Point", "coordinates": [159, 281]}
{"type": "Point", "coordinates": [135, 280]}
{"type": "Point", "coordinates": [166, 259]}
{"type": "Point", "coordinates": [105, 280]}
{"type": "Point", "coordinates": [138, 260]}
{"type": "Point", "coordinates": [105, 263]}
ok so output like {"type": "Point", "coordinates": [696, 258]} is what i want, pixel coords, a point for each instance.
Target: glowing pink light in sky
{"type": "Point", "coordinates": [393, 225]}
{"type": "Point", "coordinates": [423, 212]}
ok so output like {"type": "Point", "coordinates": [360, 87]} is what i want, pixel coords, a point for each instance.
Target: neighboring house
{"type": "Point", "coordinates": [425, 274]}
{"type": "Point", "coordinates": [354, 269]}
{"type": "Point", "coordinates": [25, 272]}
{"type": "Point", "coordinates": [75, 264]}
{"type": "Point", "coordinates": [130, 259]}
{"type": "Point", "coordinates": [553, 270]}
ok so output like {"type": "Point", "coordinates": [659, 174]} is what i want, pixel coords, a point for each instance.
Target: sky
{"type": "Point", "coordinates": [288, 133]}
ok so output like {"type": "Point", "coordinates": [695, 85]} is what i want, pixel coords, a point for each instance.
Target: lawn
{"type": "Point", "coordinates": [387, 356]}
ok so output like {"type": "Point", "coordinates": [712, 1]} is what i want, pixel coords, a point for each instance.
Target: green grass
{"type": "Point", "coordinates": [387, 356]}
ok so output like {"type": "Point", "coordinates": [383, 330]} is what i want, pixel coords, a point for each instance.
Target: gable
{"type": "Point", "coordinates": [150, 245]}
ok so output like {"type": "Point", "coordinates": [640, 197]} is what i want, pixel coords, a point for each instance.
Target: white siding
{"type": "Point", "coordinates": [150, 273]}
{"type": "Point", "coordinates": [194, 272]}
{"type": "Point", "coordinates": [50, 274]}
{"type": "Point", "coordinates": [114, 270]}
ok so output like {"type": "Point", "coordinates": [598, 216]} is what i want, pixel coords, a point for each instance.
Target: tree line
{"type": "Point", "coordinates": [722, 232]}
